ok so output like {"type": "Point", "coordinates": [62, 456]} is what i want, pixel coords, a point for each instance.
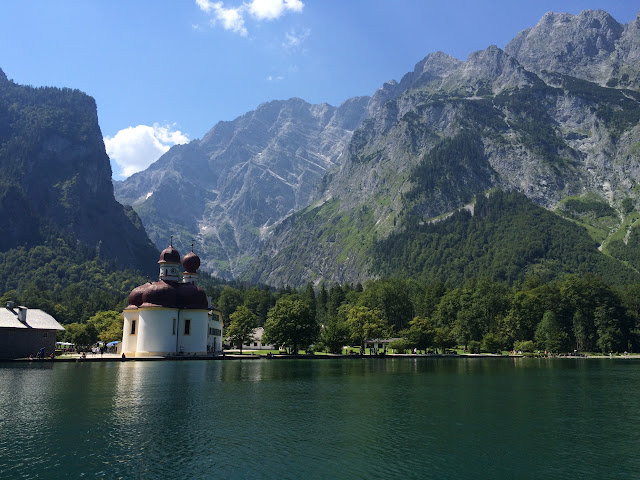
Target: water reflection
{"type": "Point", "coordinates": [410, 418]}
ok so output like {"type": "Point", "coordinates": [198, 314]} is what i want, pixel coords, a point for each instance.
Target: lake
{"type": "Point", "coordinates": [322, 419]}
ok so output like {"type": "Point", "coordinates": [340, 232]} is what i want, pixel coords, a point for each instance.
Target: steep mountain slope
{"type": "Point", "coordinates": [55, 177]}
{"type": "Point", "coordinates": [226, 190]}
{"type": "Point", "coordinates": [507, 238]}
{"type": "Point", "coordinates": [294, 192]}
{"type": "Point", "coordinates": [451, 130]}
{"type": "Point", "coordinates": [592, 46]}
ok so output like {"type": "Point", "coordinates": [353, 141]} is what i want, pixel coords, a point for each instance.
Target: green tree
{"type": "Point", "coordinates": [309, 297]}
{"type": "Point", "coordinates": [242, 324]}
{"type": "Point", "coordinates": [421, 333]}
{"type": "Point", "coordinates": [492, 343]}
{"type": "Point", "coordinates": [524, 346]}
{"type": "Point", "coordinates": [82, 335]}
{"type": "Point", "coordinates": [9, 296]}
{"type": "Point", "coordinates": [334, 335]}
{"type": "Point", "coordinates": [443, 339]}
{"type": "Point", "coordinates": [290, 323]}
{"type": "Point", "coordinates": [608, 324]}
{"type": "Point", "coordinates": [391, 298]}
{"type": "Point", "coordinates": [322, 299]}
{"type": "Point", "coordinates": [113, 332]}
{"type": "Point", "coordinates": [433, 292]}
{"type": "Point", "coordinates": [364, 323]}
{"type": "Point", "coordinates": [252, 299]}
{"type": "Point", "coordinates": [229, 300]}
{"type": "Point", "coordinates": [549, 336]}
{"type": "Point", "coordinates": [107, 325]}
{"type": "Point", "coordinates": [335, 299]}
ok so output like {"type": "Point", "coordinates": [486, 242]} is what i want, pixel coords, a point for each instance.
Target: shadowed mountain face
{"type": "Point", "coordinates": [55, 177]}
{"type": "Point", "coordinates": [293, 192]}
{"type": "Point", "coordinates": [226, 190]}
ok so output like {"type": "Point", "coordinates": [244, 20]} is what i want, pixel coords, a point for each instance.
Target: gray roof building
{"type": "Point", "coordinates": [25, 331]}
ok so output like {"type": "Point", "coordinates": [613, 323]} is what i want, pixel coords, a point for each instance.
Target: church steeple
{"type": "Point", "coordinates": [169, 263]}
{"type": "Point", "coordinates": [191, 263]}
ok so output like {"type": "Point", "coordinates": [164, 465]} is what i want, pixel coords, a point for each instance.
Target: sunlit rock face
{"type": "Point", "coordinates": [226, 190]}
{"type": "Point", "coordinates": [292, 192]}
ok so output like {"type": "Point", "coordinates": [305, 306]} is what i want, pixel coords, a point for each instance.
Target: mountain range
{"type": "Point", "coordinates": [515, 162]}
{"type": "Point", "coordinates": [293, 192]}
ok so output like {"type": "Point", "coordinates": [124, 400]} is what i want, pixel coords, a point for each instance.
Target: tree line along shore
{"type": "Point", "coordinates": [577, 314]}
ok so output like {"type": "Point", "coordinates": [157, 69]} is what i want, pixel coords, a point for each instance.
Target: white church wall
{"type": "Point", "coordinates": [156, 334]}
{"type": "Point", "coordinates": [196, 339]}
{"type": "Point", "coordinates": [129, 341]}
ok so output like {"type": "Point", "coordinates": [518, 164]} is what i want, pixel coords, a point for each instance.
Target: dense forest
{"type": "Point", "coordinates": [508, 238]}
{"type": "Point", "coordinates": [513, 275]}
{"type": "Point", "coordinates": [579, 312]}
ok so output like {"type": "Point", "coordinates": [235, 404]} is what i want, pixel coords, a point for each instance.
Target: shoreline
{"type": "Point", "coordinates": [111, 357]}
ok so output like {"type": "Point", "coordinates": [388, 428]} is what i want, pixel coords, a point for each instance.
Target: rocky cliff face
{"type": "Point", "coordinates": [55, 176]}
{"type": "Point", "coordinates": [294, 192]}
{"type": "Point", "coordinates": [225, 191]}
{"type": "Point", "coordinates": [531, 118]}
{"type": "Point", "coordinates": [592, 46]}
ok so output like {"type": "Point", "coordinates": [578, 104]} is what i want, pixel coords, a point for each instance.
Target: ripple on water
{"type": "Point", "coordinates": [312, 419]}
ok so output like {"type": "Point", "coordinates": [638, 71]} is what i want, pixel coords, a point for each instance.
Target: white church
{"type": "Point", "coordinates": [171, 317]}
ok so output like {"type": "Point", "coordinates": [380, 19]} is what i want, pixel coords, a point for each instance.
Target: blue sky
{"type": "Point", "coordinates": [165, 72]}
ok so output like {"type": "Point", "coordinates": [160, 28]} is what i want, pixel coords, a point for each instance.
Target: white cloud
{"type": "Point", "coordinates": [135, 148]}
{"type": "Point", "coordinates": [232, 18]}
{"type": "Point", "coordinates": [277, 78]}
{"type": "Point", "coordinates": [293, 40]}
{"type": "Point", "coordinates": [272, 9]}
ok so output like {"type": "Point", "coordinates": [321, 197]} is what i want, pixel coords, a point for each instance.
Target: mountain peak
{"type": "Point", "coordinates": [592, 46]}
{"type": "Point", "coordinates": [431, 70]}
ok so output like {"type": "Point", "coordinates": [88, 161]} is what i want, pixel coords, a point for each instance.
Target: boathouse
{"type": "Point", "coordinates": [26, 331]}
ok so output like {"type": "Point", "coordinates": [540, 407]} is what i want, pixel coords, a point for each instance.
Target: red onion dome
{"type": "Point", "coordinates": [169, 255]}
{"type": "Point", "coordinates": [191, 262]}
{"type": "Point", "coordinates": [135, 297]}
{"type": "Point", "coordinates": [191, 296]}
{"type": "Point", "coordinates": [160, 294]}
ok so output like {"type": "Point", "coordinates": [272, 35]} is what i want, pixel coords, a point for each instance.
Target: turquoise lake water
{"type": "Point", "coordinates": [306, 419]}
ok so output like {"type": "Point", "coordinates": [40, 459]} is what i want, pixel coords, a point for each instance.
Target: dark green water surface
{"type": "Point", "coordinates": [308, 419]}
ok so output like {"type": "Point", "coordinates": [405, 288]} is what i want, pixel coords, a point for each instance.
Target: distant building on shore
{"type": "Point", "coordinates": [26, 331]}
{"type": "Point", "coordinates": [256, 342]}
{"type": "Point", "coordinates": [171, 317]}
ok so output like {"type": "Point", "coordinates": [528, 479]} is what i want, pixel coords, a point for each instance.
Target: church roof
{"type": "Point", "coordinates": [191, 262]}
{"type": "Point", "coordinates": [168, 294]}
{"type": "Point", "coordinates": [169, 255]}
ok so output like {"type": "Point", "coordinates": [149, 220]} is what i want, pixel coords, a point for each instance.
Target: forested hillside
{"type": "Point", "coordinates": [55, 177]}
{"type": "Point", "coordinates": [66, 280]}
{"type": "Point", "coordinates": [507, 238]}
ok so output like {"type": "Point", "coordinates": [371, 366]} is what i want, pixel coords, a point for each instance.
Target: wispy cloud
{"type": "Point", "coordinates": [272, 9]}
{"type": "Point", "coordinates": [293, 40]}
{"type": "Point", "coordinates": [275, 78]}
{"type": "Point", "coordinates": [233, 18]}
{"type": "Point", "coordinates": [135, 148]}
